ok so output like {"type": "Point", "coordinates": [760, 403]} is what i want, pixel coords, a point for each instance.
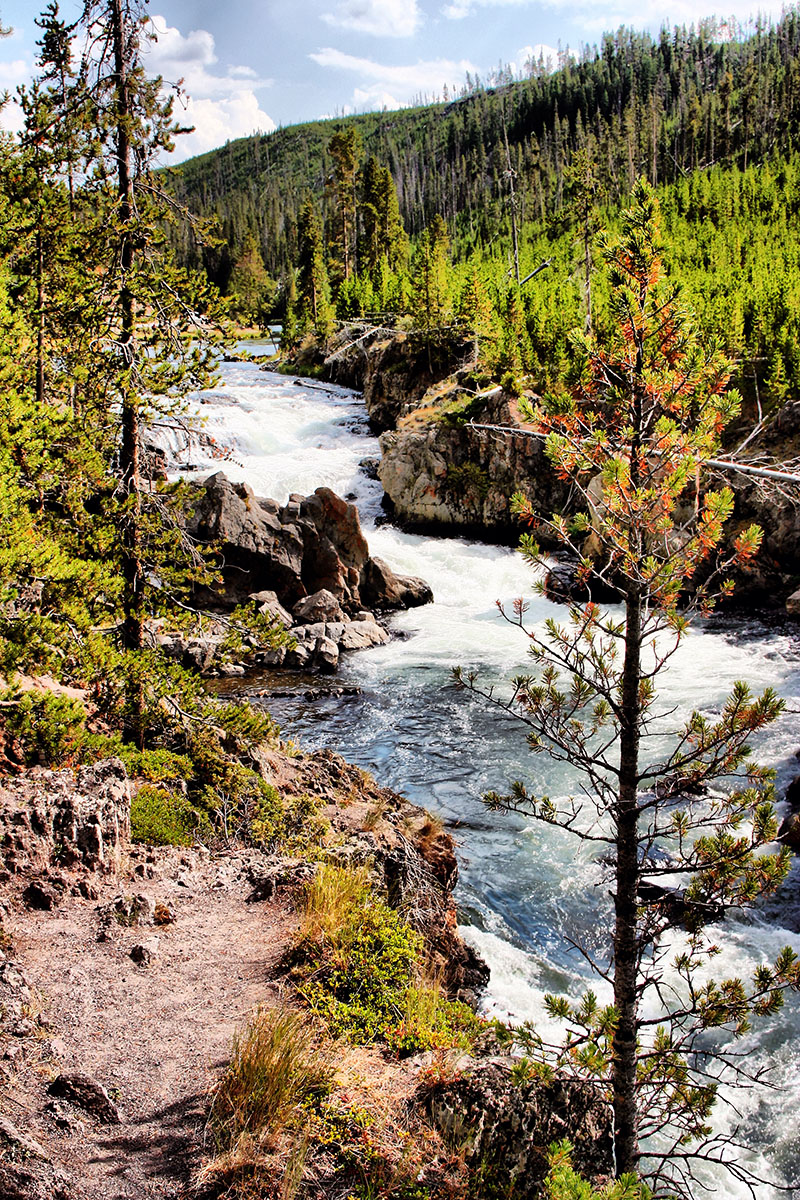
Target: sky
{"type": "Point", "coordinates": [252, 65]}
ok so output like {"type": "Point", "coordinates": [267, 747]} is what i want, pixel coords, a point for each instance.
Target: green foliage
{"type": "Point", "coordinates": [358, 965]}
{"type": "Point", "coordinates": [468, 481]}
{"type": "Point", "coordinates": [163, 817]}
{"type": "Point", "coordinates": [564, 1183]}
{"type": "Point", "coordinates": [49, 727]}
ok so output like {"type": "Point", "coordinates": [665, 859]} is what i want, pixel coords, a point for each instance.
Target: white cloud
{"type": "Point", "coordinates": [596, 15]}
{"type": "Point", "coordinates": [220, 104]}
{"type": "Point", "coordinates": [12, 73]}
{"type": "Point", "coordinates": [382, 18]}
{"type": "Point", "coordinates": [528, 56]}
{"type": "Point", "coordinates": [384, 86]}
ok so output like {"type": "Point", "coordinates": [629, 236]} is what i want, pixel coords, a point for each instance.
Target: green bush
{"type": "Point", "coordinates": [160, 817]}
{"type": "Point", "coordinates": [564, 1183]}
{"type": "Point", "coordinates": [49, 727]}
{"type": "Point", "coordinates": [360, 967]}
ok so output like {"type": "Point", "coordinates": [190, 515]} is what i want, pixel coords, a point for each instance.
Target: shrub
{"type": "Point", "coordinates": [564, 1183]}
{"type": "Point", "coordinates": [360, 967]}
{"type": "Point", "coordinates": [160, 817]}
{"type": "Point", "coordinates": [50, 727]}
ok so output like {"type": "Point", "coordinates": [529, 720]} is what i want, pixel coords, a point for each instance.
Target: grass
{"type": "Point", "coordinates": [361, 968]}
{"type": "Point", "coordinates": [274, 1069]}
{"type": "Point", "coordinates": [258, 1120]}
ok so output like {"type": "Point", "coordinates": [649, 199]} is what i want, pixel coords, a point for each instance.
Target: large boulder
{"type": "Point", "coordinates": [309, 546]}
{"type": "Point", "coordinates": [382, 588]}
{"type": "Point", "coordinates": [506, 1125]}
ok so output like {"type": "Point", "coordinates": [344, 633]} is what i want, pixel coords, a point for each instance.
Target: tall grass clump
{"type": "Point", "coordinates": [275, 1068]}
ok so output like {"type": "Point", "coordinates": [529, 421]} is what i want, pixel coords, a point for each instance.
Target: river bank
{"type": "Point", "coordinates": [443, 474]}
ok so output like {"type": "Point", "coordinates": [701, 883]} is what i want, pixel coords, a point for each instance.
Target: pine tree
{"type": "Point", "coordinates": [316, 312]}
{"type": "Point", "coordinates": [645, 415]}
{"type": "Point", "coordinates": [345, 150]}
{"type": "Point", "coordinates": [431, 301]}
{"type": "Point", "coordinates": [251, 290]}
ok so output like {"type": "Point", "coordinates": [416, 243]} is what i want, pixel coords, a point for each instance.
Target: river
{"type": "Point", "coordinates": [525, 894]}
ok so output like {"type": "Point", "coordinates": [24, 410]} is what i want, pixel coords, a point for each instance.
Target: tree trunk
{"type": "Point", "coordinates": [626, 1141]}
{"type": "Point", "coordinates": [132, 565]}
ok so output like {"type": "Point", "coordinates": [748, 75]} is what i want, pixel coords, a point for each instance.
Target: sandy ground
{"type": "Point", "coordinates": [155, 1036]}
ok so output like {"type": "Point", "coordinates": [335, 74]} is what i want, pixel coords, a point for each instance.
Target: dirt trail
{"type": "Point", "coordinates": [155, 1036]}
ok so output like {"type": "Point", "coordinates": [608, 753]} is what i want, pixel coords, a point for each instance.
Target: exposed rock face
{"type": "Point", "coordinates": [456, 476]}
{"type": "Point", "coordinates": [506, 1126]}
{"type": "Point", "coordinates": [310, 545]}
{"type": "Point", "coordinates": [85, 815]}
{"type": "Point", "coordinates": [390, 369]}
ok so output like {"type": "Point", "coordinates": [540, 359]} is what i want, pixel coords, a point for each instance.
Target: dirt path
{"type": "Point", "coordinates": [155, 1036]}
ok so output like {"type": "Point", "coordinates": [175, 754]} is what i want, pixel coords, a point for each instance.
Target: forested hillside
{"type": "Point", "coordinates": [665, 107]}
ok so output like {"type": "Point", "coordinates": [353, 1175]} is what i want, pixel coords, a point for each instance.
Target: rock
{"type": "Point", "coordinates": [143, 953]}
{"type": "Point", "coordinates": [86, 1093]}
{"type": "Point", "coordinates": [382, 588]}
{"type": "Point", "coordinates": [793, 604]}
{"type": "Point", "coordinates": [289, 554]}
{"type": "Point", "coordinates": [85, 814]}
{"type": "Point", "coordinates": [506, 1125]}
{"type": "Point", "coordinates": [321, 606]}
{"type": "Point", "coordinates": [358, 635]}
{"type": "Point", "coordinates": [269, 605]}
{"type": "Point", "coordinates": [326, 655]}
{"type": "Point", "coordinates": [263, 889]}
{"type": "Point", "coordinates": [789, 832]}
{"type": "Point", "coordinates": [43, 896]}
{"type": "Point", "coordinates": [128, 910]}
{"type": "Point", "coordinates": [20, 1144]}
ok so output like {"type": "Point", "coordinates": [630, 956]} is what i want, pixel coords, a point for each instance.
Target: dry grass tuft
{"type": "Point", "coordinates": [275, 1067]}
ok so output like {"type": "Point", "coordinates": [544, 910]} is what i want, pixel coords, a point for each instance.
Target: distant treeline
{"type": "Point", "coordinates": [660, 107]}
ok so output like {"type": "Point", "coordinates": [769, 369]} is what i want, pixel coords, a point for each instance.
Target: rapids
{"type": "Point", "coordinates": [525, 893]}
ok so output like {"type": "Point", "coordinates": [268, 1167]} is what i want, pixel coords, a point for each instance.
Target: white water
{"type": "Point", "coordinates": [524, 890]}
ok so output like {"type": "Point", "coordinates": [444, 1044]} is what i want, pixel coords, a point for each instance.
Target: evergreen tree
{"type": "Point", "coordinates": [645, 415]}
{"type": "Point", "coordinates": [345, 150]}
{"type": "Point", "coordinates": [316, 312]}
{"type": "Point", "coordinates": [431, 301]}
{"type": "Point", "coordinates": [251, 290]}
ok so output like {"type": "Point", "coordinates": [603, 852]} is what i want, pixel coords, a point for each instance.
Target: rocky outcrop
{"type": "Point", "coordinates": [305, 564]}
{"type": "Point", "coordinates": [411, 856]}
{"type": "Point", "coordinates": [63, 819]}
{"type": "Point", "coordinates": [310, 544]}
{"type": "Point", "coordinates": [452, 475]}
{"type": "Point", "coordinates": [504, 1124]}
{"type": "Point", "coordinates": [789, 832]}
{"type": "Point", "coordinates": [392, 369]}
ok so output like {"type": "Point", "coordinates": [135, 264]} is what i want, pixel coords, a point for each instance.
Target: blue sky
{"type": "Point", "coordinates": [254, 64]}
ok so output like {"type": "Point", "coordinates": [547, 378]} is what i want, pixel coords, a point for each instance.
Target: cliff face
{"type": "Point", "coordinates": [443, 475]}
{"type": "Point", "coordinates": [460, 478]}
